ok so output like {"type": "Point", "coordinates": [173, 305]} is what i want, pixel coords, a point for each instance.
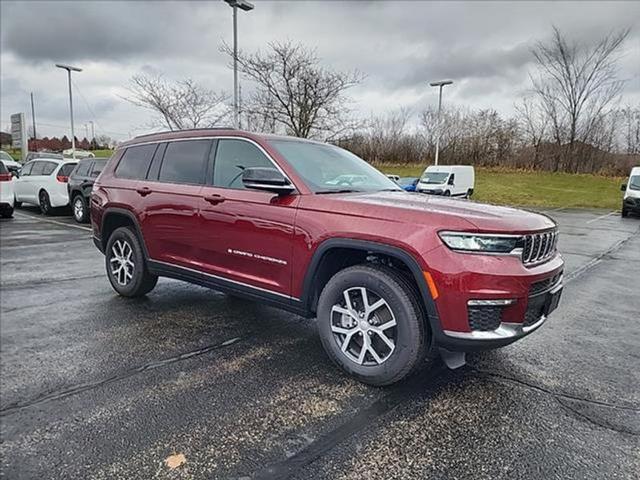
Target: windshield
{"type": "Point", "coordinates": [327, 168]}
{"type": "Point", "coordinates": [5, 156]}
{"type": "Point", "coordinates": [634, 182]}
{"type": "Point", "coordinates": [434, 177]}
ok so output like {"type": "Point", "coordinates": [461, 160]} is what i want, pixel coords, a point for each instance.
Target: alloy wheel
{"type": "Point", "coordinates": [78, 209]}
{"type": "Point", "coordinates": [122, 267]}
{"type": "Point", "coordinates": [364, 326]}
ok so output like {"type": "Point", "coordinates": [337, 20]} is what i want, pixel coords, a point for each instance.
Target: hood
{"type": "Point", "coordinates": [441, 212]}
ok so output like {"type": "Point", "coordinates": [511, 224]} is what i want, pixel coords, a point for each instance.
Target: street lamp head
{"type": "Point", "coordinates": [241, 4]}
{"type": "Point", "coordinates": [441, 83]}
{"type": "Point", "coordinates": [68, 67]}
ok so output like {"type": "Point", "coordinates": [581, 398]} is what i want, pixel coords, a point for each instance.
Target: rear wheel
{"type": "Point", "coordinates": [45, 203]}
{"type": "Point", "coordinates": [371, 324]}
{"type": "Point", "coordinates": [126, 265]}
{"type": "Point", "coordinates": [80, 211]}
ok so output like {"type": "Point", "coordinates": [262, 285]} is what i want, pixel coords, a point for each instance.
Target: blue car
{"type": "Point", "coordinates": [408, 183]}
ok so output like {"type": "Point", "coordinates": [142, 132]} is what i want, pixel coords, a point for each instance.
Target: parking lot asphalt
{"type": "Point", "coordinates": [190, 383]}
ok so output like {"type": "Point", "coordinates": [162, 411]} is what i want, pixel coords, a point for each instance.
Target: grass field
{"type": "Point", "coordinates": [535, 189]}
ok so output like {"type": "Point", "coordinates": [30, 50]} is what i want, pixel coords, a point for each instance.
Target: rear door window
{"type": "Point", "coordinates": [82, 170]}
{"type": "Point", "coordinates": [185, 162]}
{"type": "Point", "coordinates": [97, 167]}
{"type": "Point", "coordinates": [49, 167]}
{"type": "Point", "coordinates": [135, 162]}
{"type": "Point", "coordinates": [3, 169]}
{"type": "Point", "coordinates": [38, 168]}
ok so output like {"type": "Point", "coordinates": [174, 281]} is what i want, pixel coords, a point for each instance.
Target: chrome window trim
{"type": "Point", "coordinates": [218, 137]}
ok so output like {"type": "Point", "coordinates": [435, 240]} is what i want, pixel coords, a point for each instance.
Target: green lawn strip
{"type": "Point", "coordinates": [535, 189]}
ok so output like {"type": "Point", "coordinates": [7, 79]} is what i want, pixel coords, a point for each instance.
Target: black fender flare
{"type": "Point", "coordinates": [373, 247]}
{"type": "Point", "coordinates": [131, 216]}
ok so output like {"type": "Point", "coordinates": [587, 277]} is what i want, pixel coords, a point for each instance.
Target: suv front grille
{"type": "Point", "coordinates": [539, 247]}
{"type": "Point", "coordinates": [484, 318]}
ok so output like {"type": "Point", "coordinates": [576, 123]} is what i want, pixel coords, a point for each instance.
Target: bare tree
{"type": "Point", "coordinates": [179, 105]}
{"type": "Point", "coordinates": [577, 86]}
{"type": "Point", "coordinates": [533, 123]}
{"type": "Point", "coordinates": [294, 91]}
{"type": "Point", "coordinates": [631, 129]}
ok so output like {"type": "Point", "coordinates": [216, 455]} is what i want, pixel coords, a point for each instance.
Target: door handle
{"type": "Point", "coordinates": [144, 191]}
{"type": "Point", "coordinates": [214, 199]}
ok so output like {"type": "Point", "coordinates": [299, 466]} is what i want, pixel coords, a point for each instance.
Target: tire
{"type": "Point", "coordinates": [7, 212]}
{"type": "Point", "coordinates": [79, 209]}
{"type": "Point", "coordinates": [469, 193]}
{"type": "Point", "coordinates": [45, 203]}
{"type": "Point", "coordinates": [447, 193]}
{"type": "Point", "coordinates": [409, 336]}
{"type": "Point", "coordinates": [625, 212]}
{"type": "Point", "coordinates": [16, 203]}
{"type": "Point", "coordinates": [135, 280]}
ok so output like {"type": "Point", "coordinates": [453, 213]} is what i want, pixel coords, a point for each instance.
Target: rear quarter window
{"type": "Point", "coordinates": [135, 162]}
{"type": "Point", "coordinates": [66, 169]}
{"type": "Point", "coordinates": [82, 170]}
{"type": "Point", "coordinates": [3, 169]}
{"type": "Point", "coordinates": [97, 167]}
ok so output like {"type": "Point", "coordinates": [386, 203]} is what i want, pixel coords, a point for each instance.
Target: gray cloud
{"type": "Point", "coordinates": [399, 46]}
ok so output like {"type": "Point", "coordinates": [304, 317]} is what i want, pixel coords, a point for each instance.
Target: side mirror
{"type": "Point", "coordinates": [268, 179]}
{"type": "Point", "coordinates": [623, 187]}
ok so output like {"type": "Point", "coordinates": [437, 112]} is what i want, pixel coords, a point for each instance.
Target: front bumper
{"type": "Point", "coordinates": [462, 278]}
{"type": "Point", "coordinates": [631, 204]}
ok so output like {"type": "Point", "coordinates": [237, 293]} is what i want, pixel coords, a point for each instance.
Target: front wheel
{"type": "Point", "coordinates": [80, 211]}
{"type": "Point", "coordinates": [447, 193]}
{"type": "Point", "coordinates": [371, 324]}
{"type": "Point", "coordinates": [625, 212]}
{"type": "Point", "coordinates": [126, 265]}
{"type": "Point", "coordinates": [7, 212]}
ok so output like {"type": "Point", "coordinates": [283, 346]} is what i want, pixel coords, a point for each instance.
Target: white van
{"type": "Point", "coordinates": [448, 180]}
{"type": "Point", "coordinates": [631, 189]}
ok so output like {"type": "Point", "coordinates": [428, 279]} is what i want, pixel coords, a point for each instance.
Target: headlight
{"type": "Point", "coordinates": [472, 242]}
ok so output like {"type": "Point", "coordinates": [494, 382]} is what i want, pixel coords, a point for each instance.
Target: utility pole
{"type": "Point", "coordinates": [93, 132]}
{"type": "Point", "coordinates": [440, 84]}
{"type": "Point", "coordinates": [86, 130]}
{"type": "Point", "coordinates": [33, 119]}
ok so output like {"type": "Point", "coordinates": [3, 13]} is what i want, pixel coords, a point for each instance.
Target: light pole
{"type": "Point", "coordinates": [246, 6]}
{"type": "Point", "coordinates": [440, 84]}
{"type": "Point", "coordinates": [69, 68]}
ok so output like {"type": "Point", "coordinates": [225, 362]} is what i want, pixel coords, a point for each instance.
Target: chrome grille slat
{"type": "Point", "coordinates": [539, 247]}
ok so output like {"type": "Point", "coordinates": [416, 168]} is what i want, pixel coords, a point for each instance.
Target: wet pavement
{"type": "Point", "coordinates": [190, 383]}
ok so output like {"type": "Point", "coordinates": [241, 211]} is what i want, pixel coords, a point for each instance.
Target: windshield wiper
{"type": "Point", "coordinates": [344, 190]}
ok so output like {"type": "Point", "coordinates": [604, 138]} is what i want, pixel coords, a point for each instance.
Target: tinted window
{"type": "Point", "coordinates": [82, 170]}
{"type": "Point", "coordinates": [48, 168]}
{"type": "Point", "coordinates": [38, 168]}
{"type": "Point", "coordinates": [184, 162]}
{"type": "Point", "coordinates": [154, 170]}
{"type": "Point", "coordinates": [66, 169]}
{"type": "Point", "coordinates": [3, 169]}
{"type": "Point", "coordinates": [98, 165]}
{"type": "Point", "coordinates": [26, 170]}
{"type": "Point", "coordinates": [232, 157]}
{"type": "Point", "coordinates": [135, 162]}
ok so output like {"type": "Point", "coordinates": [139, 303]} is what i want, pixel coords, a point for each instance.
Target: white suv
{"type": "Point", "coordinates": [6, 191]}
{"type": "Point", "coordinates": [43, 182]}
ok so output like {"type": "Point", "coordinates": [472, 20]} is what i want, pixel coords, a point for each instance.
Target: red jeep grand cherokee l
{"type": "Point", "coordinates": [392, 277]}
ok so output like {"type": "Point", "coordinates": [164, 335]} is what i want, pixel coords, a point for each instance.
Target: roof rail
{"type": "Point", "coordinates": [185, 130]}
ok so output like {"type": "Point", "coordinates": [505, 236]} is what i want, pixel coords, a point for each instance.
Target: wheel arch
{"type": "Point", "coordinates": [329, 258]}
{"type": "Point", "coordinates": [114, 218]}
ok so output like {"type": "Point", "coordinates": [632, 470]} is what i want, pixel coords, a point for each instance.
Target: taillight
{"type": "Point", "coordinates": [62, 178]}
{"type": "Point", "coordinates": [5, 177]}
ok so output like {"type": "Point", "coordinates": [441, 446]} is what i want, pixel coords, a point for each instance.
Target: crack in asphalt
{"type": "Point", "coordinates": [595, 260]}
{"type": "Point", "coordinates": [363, 418]}
{"type": "Point", "coordinates": [83, 387]}
{"type": "Point", "coordinates": [37, 283]}
{"type": "Point", "coordinates": [591, 420]}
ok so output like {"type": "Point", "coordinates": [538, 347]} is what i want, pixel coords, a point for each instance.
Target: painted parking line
{"type": "Point", "coordinates": [47, 220]}
{"type": "Point", "coordinates": [601, 217]}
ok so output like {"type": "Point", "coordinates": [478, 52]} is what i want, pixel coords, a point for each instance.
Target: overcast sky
{"type": "Point", "coordinates": [399, 46]}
